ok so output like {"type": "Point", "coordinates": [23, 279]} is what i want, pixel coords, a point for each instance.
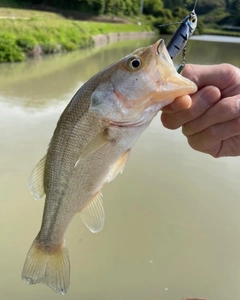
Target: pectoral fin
{"type": "Point", "coordinates": [100, 141]}
{"type": "Point", "coordinates": [35, 181]}
{"type": "Point", "coordinates": [118, 167]}
{"type": "Point", "coordinates": [93, 214]}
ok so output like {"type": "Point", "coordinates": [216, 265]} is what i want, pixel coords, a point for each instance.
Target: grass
{"type": "Point", "coordinates": [24, 32]}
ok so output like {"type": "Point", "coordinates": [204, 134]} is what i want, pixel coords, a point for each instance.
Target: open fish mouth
{"type": "Point", "coordinates": [160, 45]}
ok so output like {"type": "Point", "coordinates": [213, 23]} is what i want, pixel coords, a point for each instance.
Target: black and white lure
{"type": "Point", "coordinates": [178, 41]}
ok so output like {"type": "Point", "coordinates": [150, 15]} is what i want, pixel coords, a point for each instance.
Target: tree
{"type": "Point", "coordinates": [205, 6]}
{"type": "Point", "coordinates": [153, 7]}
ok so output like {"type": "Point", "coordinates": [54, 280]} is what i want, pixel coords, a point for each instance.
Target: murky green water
{"type": "Point", "coordinates": [172, 225]}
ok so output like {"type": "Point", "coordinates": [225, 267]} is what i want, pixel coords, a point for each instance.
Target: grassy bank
{"type": "Point", "coordinates": [28, 32]}
{"type": "Point", "coordinates": [25, 32]}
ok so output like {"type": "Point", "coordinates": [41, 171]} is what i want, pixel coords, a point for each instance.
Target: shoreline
{"type": "Point", "coordinates": [101, 40]}
{"type": "Point", "coordinates": [97, 41]}
{"type": "Point", "coordinates": [94, 41]}
{"type": "Point", "coordinates": [26, 35]}
{"type": "Point", "coordinates": [216, 38]}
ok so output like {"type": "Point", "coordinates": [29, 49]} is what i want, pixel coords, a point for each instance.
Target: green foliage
{"type": "Point", "coordinates": [9, 3]}
{"type": "Point", "coordinates": [236, 5]}
{"type": "Point", "coordinates": [162, 23]}
{"type": "Point", "coordinates": [91, 6]}
{"type": "Point", "coordinates": [51, 33]}
{"type": "Point", "coordinates": [189, 4]}
{"type": "Point", "coordinates": [169, 18]}
{"type": "Point", "coordinates": [26, 43]}
{"type": "Point", "coordinates": [9, 51]}
{"type": "Point", "coordinates": [120, 7]}
{"type": "Point", "coordinates": [47, 33]}
{"type": "Point", "coordinates": [217, 16]}
{"type": "Point", "coordinates": [206, 6]}
{"type": "Point", "coordinates": [180, 12]}
{"type": "Point", "coordinates": [153, 7]}
{"type": "Point", "coordinates": [172, 4]}
{"type": "Point", "coordinates": [132, 7]}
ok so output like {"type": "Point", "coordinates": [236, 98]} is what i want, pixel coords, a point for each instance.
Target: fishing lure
{"type": "Point", "coordinates": [178, 41]}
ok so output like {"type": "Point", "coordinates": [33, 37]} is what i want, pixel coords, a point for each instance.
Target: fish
{"type": "Point", "coordinates": [90, 147]}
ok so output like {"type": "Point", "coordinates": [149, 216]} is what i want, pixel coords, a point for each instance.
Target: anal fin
{"type": "Point", "coordinates": [93, 214]}
{"type": "Point", "coordinates": [36, 179]}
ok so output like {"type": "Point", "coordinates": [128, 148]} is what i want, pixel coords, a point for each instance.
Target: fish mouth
{"type": "Point", "coordinates": [160, 46]}
{"type": "Point", "coordinates": [162, 52]}
{"type": "Point", "coordinates": [173, 84]}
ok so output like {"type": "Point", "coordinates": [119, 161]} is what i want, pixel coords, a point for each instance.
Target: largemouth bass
{"type": "Point", "coordinates": [90, 146]}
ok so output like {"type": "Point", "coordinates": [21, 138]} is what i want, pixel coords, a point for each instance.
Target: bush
{"type": "Point", "coordinates": [163, 23]}
{"type": "Point", "coordinates": [48, 34]}
{"type": "Point", "coordinates": [51, 47]}
{"type": "Point", "coordinates": [9, 51]}
{"type": "Point", "coordinates": [26, 43]}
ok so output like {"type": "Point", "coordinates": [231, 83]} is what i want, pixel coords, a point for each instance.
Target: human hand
{"type": "Point", "coordinates": [210, 118]}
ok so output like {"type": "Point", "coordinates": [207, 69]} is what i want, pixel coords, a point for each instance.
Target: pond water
{"type": "Point", "coordinates": [172, 225]}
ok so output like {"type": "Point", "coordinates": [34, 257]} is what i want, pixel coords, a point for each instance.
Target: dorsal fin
{"type": "Point", "coordinates": [35, 181]}
{"type": "Point", "coordinates": [93, 214]}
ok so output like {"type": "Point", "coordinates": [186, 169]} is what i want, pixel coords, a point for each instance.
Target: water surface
{"type": "Point", "coordinates": [172, 225]}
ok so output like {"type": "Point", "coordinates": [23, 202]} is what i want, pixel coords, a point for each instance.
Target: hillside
{"type": "Point", "coordinates": [33, 27]}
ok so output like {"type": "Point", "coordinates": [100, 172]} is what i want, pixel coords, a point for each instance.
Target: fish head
{"type": "Point", "coordinates": [138, 85]}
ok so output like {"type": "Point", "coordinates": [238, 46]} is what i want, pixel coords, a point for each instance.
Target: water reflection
{"type": "Point", "coordinates": [36, 83]}
{"type": "Point", "coordinates": [172, 219]}
{"type": "Point", "coordinates": [210, 52]}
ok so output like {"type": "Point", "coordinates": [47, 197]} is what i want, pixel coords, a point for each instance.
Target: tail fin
{"type": "Point", "coordinates": [49, 267]}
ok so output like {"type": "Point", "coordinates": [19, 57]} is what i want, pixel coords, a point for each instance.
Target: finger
{"type": "Point", "coordinates": [229, 147]}
{"type": "Point", "coordinates": [202, 100]}
{"type": "Point", "coordinates": [223, 111]}
{"type": "Point", "coordinates": [179, 104]}
{"type": "Point", "coordinates": [210, 140]}
{"type": "Point", "coordinates": [223, 76]}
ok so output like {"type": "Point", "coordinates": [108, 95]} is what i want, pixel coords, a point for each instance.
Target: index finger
{"type": "Point", "coordinates": [223, 76]}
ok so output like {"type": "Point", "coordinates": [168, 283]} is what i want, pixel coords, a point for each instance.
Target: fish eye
{"type": "Point", "coordinates": [134, 63]}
